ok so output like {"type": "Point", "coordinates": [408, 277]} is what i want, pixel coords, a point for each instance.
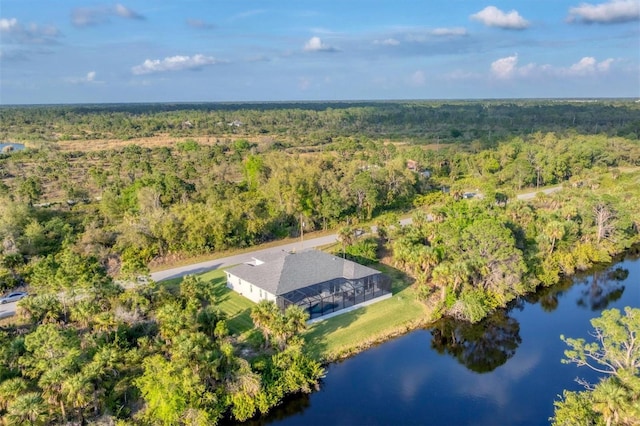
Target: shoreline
{"type": "Point", "coordinates": [428, 319]}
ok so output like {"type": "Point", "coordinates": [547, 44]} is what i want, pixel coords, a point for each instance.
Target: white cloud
{"type": "Point", "coordinates": [91, 16]}
{"type": "Point", "coordinates": [604, 65]}
{"type": "Point", "coordinates": [8, 25]}
{"type": "Point", "coordinates": [456, 31]}
{"type": "Point", "coordinates": [89, 78]}
{"type": "Point", "coordinates": [491, 16]}
{"type": "Point", "coordinates": [29, 34]}
{"type": "Point", "coordinates": [387, 42]}
{"type": "Point", "coordinates": [316, 45]}
{"type": "Point", "coordinates": [125, 12]}
{"type": "Point", "coordinates": [587, 66]}
{"type": "Point", "coordinates": [507, 68]}
{"type": "Point", "coordinates": [612, 12]}
{"type": "Point", "coordinates": [504, 67]}
{"type": "Point", "coordinates": [173, 63]}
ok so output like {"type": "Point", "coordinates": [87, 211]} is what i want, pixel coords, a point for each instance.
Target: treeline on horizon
{"type": "Point", "coordinates": [312, 123]}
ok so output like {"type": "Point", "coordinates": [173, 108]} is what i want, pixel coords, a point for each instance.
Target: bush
{"type": "Point", "coordinates": [363, 252]}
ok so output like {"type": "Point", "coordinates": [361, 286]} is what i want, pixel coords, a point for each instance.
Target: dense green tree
{"type": "Point", "coordinates": [615, 400]}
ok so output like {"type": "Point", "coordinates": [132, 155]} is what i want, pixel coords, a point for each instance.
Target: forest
{"type": "Point", "coordinates": [103, 193]}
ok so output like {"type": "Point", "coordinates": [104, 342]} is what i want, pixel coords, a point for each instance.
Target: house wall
{"type": "Point", "coordinates": [247, 289]}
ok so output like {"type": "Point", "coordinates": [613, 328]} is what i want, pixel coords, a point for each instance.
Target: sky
{"type": "Point", "coordinates": [68, 51]}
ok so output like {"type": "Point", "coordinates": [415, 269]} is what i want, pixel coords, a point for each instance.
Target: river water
{"type": "Point", "coordinates": [504, 371]}
{"type": "Point", "coordinates": [16, 146]}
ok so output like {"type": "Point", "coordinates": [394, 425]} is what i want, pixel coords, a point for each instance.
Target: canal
{"type": "Point", "coordinates": [505, 370]}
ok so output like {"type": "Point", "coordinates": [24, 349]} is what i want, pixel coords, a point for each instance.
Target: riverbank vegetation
{"type": "Point", "coordinates": [80, 222]}
{"type": "Point", "coordinates": [477, 255]}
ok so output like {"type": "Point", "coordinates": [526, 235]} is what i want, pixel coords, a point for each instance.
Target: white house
{"type": "Point", "coordinates": [321, 283]}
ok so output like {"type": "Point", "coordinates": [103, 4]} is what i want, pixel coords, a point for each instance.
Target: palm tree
{"type": "Point", "coordinates": [78, 391]}
{"type": "Point", "coordinates": [430, 257]}
{"type": "Point", "coordinates": [346, 235]}
{"type": "Point", "coordinates": [554, 232]}
{"type": "Point", "coordinates": [609, 398]}
{"type": "Point", "coordinates": [83, 312]}
{"type": "Point", "coordinates": [27, 409]}
{"type": "Point", "coordinates": [293, 322]}
{"type": "Point", "coordinates": [264, 316]}
{"type": "Point", "coordinates": [10, 390]}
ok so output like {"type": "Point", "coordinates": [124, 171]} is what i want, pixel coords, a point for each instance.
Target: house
{"type": "Point", "coordinates": [322, 284]}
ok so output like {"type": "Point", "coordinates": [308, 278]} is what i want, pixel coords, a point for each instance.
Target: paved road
{"type": "Point", "coordinates": [8, 309]}
{"type": "Point", "coordinates": [531, 195]}
{"type": "Point", "coordinates": [225, 262]}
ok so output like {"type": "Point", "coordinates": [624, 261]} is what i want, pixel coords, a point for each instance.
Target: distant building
{"type": "Point", "coordinates": [322, 284]}
{"type": "Point", "coordinates": [412, 165]}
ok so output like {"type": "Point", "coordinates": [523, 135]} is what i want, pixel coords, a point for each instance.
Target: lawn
{"type": "Point", "coordinates": [354, 331]}
{"type": "Point", "coordinates": [339, 336]}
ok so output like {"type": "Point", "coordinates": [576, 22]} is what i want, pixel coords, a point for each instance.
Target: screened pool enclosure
{"type": "Point", "coordinates": [332, 296]}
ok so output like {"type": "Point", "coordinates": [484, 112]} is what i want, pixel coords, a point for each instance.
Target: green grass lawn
{"type": "Point", "coordinates": [338, 336]}
{"type": "Point", "coordinates": [351, 332]}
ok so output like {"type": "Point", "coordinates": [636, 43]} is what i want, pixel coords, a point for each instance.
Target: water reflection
{"type": "Point", "coordinates": [548, 297]}
{"type": "Point", "coordinates": [605, 287]}
{"type": "Point", "coordinates": [294, 404]}
{"type": "Point", "coordinates": [481, 347]}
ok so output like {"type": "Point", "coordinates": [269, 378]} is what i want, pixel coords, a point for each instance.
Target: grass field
{"type": "Point", "coordinates": [339, 336]}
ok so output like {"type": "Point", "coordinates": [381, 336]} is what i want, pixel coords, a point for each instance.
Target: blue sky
{"type": "Point", "coordinates": [55, 51]}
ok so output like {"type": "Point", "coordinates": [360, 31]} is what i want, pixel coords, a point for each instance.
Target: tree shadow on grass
{"type": "Point", "coordinates": [240, 322]}
{"type": "Point", "coordinates": [219, 289]}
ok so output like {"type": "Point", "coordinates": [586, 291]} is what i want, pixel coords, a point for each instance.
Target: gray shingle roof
{"type": "Point", "coordinates": [283, 272]}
